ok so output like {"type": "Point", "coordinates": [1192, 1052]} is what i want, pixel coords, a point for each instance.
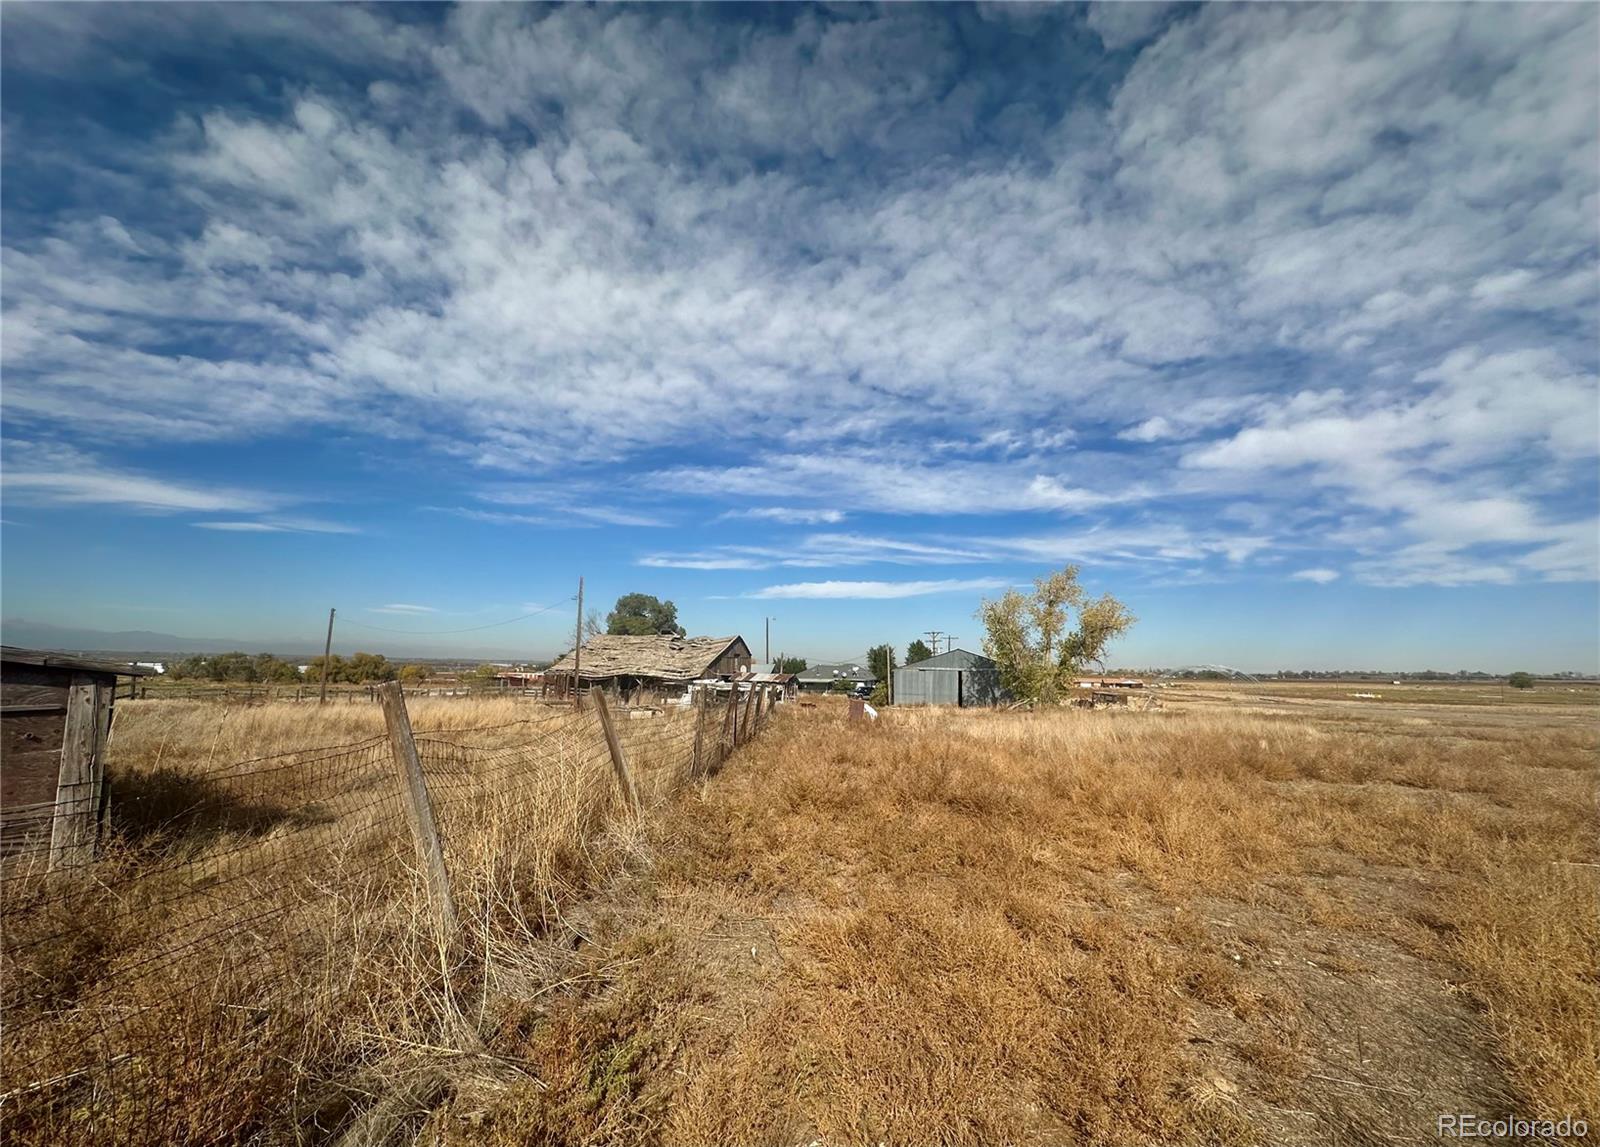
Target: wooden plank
{"type": "Point", "coordinates": [12, 655]}
{"type": "Point", "coordinates": [72, 836]}
{"type": "Point", "coordinates": [744, 719]}
{"type": "Point", "coordinates": [31, 710]}
{"type": "Point", "coordinates": [419, 810]}
{"type": "Point", "coordinates": [761, 698]}
{"type": "Point", "coordinates": [619, 763]}
{"type": "Point", "coordinates": [731, 722]}
{"type": "Point", "coordinates": [53, 692]}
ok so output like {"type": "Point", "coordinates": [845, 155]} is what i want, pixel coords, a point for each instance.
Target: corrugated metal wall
{"type": "Point", "coordinates": [966, 687]}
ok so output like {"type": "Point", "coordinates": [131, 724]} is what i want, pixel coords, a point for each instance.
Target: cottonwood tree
{"type": "Point", "coordinates": [1520, 680]}
{"type": "Point", "coordinates": [1026, 635]}
{"type": "Point", "coordinates": [643, 615]}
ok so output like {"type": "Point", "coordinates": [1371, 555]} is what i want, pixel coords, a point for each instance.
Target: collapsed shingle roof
{"type": "Point", "coordinates": [663, 658]}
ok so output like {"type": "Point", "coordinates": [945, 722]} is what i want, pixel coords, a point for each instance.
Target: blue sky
{"type": "Point", "coordinates": [1280, 321]}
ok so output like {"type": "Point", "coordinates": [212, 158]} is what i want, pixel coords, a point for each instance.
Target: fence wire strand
{"type": "Point", "coordinates": [243, 923]}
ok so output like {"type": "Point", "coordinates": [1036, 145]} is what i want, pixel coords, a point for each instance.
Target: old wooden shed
{"type": "Point", "coordinates": [55, 718]}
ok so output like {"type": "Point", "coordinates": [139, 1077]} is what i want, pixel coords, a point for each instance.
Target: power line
{"type": "Point", "coordinates": [468, 629]}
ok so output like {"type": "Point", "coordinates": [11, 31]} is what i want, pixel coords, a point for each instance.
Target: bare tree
{"type": "Point", "coordinates": [1026, 635]}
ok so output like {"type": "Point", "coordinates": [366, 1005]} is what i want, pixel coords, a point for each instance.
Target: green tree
{"type": "Point", "coordinates": [191, 667]}
{"type": "Point", "coordinates": [917, 651]}
{"type": "Point", "coordinates": [1520, 680]}
{"type": "Point", "coordinates": [365, 667]}
{"type": "Point", "coordinates": [880, 659]}
{"type": "Point", "coordinates": [640, 614]}
{"type": "Point", "coordinates": [413, 674]}
{"type": "Point", "coordinates": [337, 669]}
{"type": "Point", "coordinates": [1026, 635]}
{"type": "Point", "coordinates": [789, 665]}
{"type": "Point", "coordinates": [275, 670]}
{"type": "Point", "coordinates": [841, 685]}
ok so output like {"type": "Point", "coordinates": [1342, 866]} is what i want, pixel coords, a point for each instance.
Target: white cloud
{"type": "Point", "coordinates": [1356, 241]}
{"type": "Point", "coordinates": [787, 515]}
{"type": "Point", "coordinates": [875, 589]}
{"type": "Point", "coordinates": [1120, 23]}
{"type": "Point", "coordinates": [1320, 576]}
{"type": "Point", "coordinates": [402, 609]}
{"type": "Point", "coordinates": [65, 476]}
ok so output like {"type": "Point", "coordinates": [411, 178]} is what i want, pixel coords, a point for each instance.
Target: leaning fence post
{"type": "Point", "coordinates": [79, 776]}
{"type": "Point", "coordinates": [761, 700]}
{"type": "Point", "coordinates": [419, 809]}
{"type": "Point", "coordinates": [618, 761]}
{"type": "Point", "coordinates": [744, 718]}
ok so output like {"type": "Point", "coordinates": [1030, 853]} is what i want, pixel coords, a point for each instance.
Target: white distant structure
{"type": "Point", "coordinates": [158, 666]}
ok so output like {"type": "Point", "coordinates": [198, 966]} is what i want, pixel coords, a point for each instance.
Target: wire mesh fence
{"type": "Point", "coordinates": [262, 930]}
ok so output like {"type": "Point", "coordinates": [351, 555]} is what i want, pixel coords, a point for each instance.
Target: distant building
{"type": "Point", "coordinates": [955, 678]}
{"type": "Point", "coordinates": [625, 665]}
{"type": "Point", "coordinates": [821, 678]}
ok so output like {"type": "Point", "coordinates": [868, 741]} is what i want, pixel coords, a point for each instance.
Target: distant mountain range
{"type": "Point", "coordinates": [38, 635]}
{"type": "Point", "coordinates": [134, 644]}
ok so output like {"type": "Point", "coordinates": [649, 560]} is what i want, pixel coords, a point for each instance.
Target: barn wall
{"type": "Point", "coordinates": [964, 687]}
{"type": "Point", "coordinates": [31, 729]}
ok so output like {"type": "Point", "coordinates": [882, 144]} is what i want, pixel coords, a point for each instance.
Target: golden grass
{"type": "Point", "coordinates": [253, 955]}
{"type": "Point", "coordinates": [1109, 928]}
{"type": "Point", "coordinates": [1210, 924]}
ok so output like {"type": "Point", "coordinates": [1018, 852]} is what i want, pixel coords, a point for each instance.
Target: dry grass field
{"type": "Point", "coordinates": [252, 956]}
{"type": "Point", "coordinates": [1211, 923]}
{"type": "Point", "coordinates": [1255, 916]}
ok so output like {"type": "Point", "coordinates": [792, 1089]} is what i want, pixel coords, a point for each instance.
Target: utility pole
{"type": "Point", "coordinates": [577, 649]}
{"type": "Point", "coordinates": [949, 642]}
{"type": "Point", "coordinates": [768, 650]}
{"type": "Point", "coordinates": [934, 634]}
{"type": "Point", "coordinates": [327, 653]}
{"type": "Point", "coordinates": [888, 662]}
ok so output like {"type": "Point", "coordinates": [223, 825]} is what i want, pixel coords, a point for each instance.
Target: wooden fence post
{"type": "Point", "coordinates": [731, 722]}
{"type": "Point", "coordinates": [419, 809]}
{"type": "Point", "coordinates": [618, 761]}
{"type": "Point", "coordinates": [744, 718]}
{"type": "Point", "coordinates": [75, 826]}
{"type": "Point", "coordinates": [699, 733]}
{"type": "Point", "coordinates": [761, 700]}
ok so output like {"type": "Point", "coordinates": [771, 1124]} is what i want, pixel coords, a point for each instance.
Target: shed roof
{"type": "Point", "coordinates": [49, 660]}
{"type": "Point", "coordinates": [954, 659]}
{"type": "Point", "coordinates": [665, 658]}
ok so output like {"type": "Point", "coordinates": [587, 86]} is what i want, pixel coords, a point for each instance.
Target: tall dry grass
{"type": "Point", "coordinates": [254, 955]}
{"type": "Point", "coordinates": [976, 927]}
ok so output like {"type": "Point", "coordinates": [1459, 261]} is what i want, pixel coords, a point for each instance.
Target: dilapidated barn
{"type": "Point", "coordinates": [628, 666]}
{"type": "Point", "coordinates": [55, 719]}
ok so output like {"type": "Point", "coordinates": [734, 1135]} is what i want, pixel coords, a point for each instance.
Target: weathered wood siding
{"type": "Point", "coordinates": [33, 714]}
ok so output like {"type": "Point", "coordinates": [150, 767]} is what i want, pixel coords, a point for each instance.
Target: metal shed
{"type": "Point", "coordinates": [55, 718]}
{"type": "Point", "coordinates": [954, 678]}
